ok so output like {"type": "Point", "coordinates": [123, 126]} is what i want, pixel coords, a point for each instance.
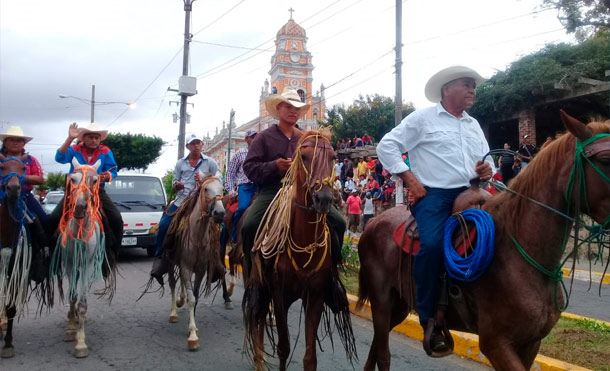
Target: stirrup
{"type": "Point", "coordinates": [431, 340]}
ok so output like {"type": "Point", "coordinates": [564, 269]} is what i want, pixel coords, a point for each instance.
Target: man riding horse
{"type": "Point", "coordinates": [445, 146]}
{"type": "Point", "coordinates": [269, 157]}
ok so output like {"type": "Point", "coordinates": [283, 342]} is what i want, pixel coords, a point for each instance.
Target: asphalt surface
{"type": "Point", "coordinates": [136, 335]}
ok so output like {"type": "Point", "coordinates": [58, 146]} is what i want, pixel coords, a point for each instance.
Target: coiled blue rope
{"type": "Point", "coordinates": [473, 266]}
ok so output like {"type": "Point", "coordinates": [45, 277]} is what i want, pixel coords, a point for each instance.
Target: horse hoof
{"type": "Point", "coordinates": [69, 336]}
{"type": "Point", "coordinates": [230, 288]}
{"type": "Point", "coordinates": [193, 345]}
{"type": "Point", "coordinates": [7, 352]}
{"type": "Point", "coordinates": [81, 352]}
{"type": "Point", "coordinates": [228, 305]}
{"type": "Point", "coordinates": [173, 319]}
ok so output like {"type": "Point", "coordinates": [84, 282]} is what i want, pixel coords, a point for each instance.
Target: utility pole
{"type": "Point", "coordinates": [92, 103]}
{"type": "Point", "coordinates": [188, 6]}
{"type": "Point", "coordinates": [398, 98]}
{"type": "Point", "coordinates": [231, 119]}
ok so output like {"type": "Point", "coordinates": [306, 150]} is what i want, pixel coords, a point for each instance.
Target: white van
{"type": "Point", "coordinates": [140, 199]}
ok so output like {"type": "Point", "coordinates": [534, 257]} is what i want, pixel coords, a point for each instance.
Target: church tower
{"type": "Point", "coordinates": [291, 67]}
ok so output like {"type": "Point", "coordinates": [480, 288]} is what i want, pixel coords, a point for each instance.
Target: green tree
{"type": "Point", "coordinates": [168, 180]}
{"type": "Point", "coordinates": [371, 114]}
{"type": "Point", "coordinates": [53, 181]}
{"type": "Point", "coordinates": [582, 17]}
{"type": "Point", "coordinates": [531, 79]}
{"type": "Point", "coordinates": [134, 151]}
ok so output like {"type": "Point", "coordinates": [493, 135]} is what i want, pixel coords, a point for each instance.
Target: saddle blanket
{"type": "Point", "coordinates": [410, 245]}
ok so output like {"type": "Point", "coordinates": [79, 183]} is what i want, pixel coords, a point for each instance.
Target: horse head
{"type": "Point", "coordinates": [83, 183]}
{"type": "Point", "coordinates": [211, 198]}
{"type": "Point", "coordinates": [592, 166]}
{"type": "Point", "coordinates": [12, 171]}
{"type": "Point", "coordinates": [315, 159]}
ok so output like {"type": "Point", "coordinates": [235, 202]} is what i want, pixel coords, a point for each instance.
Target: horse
{"type": "Point", "coordinates": [194, 236]}
{"type": "Point", "coordinates": [80, 252]}
{"type": "Point", "coordinates": [22, 254]}
{"type": "Point", "coordinates": [517, 301]}
{"type": "Point", "coordinates": [236, 253]}
{"type": "Point", "coordinates": [292, 258]}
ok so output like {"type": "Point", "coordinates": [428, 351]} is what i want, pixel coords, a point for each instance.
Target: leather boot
{"type": "Point", "coordinates": [159, 268]}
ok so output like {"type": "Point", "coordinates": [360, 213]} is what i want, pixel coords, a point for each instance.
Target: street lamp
{"type": "Point", "coordinates": [93, 103]}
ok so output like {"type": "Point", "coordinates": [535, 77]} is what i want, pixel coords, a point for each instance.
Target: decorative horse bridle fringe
{"type": "Point", "coordinates": [274, 236]}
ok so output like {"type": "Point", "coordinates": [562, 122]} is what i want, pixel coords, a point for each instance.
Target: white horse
{"type": "Point", "coordinates": [81, 250]}
{"type": "Point", "coordinates": [194, 239]}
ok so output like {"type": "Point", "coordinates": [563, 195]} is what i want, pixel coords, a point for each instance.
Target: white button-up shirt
{"type": "Point", "coordinates": [443, 150]}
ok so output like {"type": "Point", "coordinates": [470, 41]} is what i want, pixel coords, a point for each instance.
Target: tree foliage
{"type": "Point", "coordinates": [531, 79]}
{"type": "Point", "coordinates": [168, 180]}
{"type": "Point", "coordinates": [134, 151]}
{"type": "Point", "coordinates": [582, 17]}
{"type": "Point", "coordinates": [53, 181]}
{"type": "Point", "coordinates": [371, 114]}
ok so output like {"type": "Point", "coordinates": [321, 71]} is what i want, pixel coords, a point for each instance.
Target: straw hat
{"type": "Point", "coordinates": [15, 132]}
{"type": "Point", "coordinates": [442, 77]}
{"type": "Point", "coordinates": [289, 96]}
{"type": "Point", "coordinates": [92, 128]}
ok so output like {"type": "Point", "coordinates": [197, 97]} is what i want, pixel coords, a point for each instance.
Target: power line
{"type": "Point", "coordinates": [229, 46]}
{"type": "Point", "coordinates": [218, 18]}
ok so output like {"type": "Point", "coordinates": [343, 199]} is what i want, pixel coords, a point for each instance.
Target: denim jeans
{"type": "Point", "coordinates": [245, 192]}
{"type": "Point", "coordinates": [163, 226]}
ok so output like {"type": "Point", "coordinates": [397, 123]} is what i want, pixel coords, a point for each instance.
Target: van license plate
{"type": "Point", "coordinates": [129, 241]}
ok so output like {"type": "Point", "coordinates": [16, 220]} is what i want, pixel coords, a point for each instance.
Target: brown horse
{"type": "Point", "coordinates": [513, 306]}
{"type": "Point", "coordinates": [293, 258]}
{"type": "Point", "coordinates": [194, 238]}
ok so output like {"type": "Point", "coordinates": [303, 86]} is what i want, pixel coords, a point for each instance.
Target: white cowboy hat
{"type": "Point", "coordinates": [92, 128]}
{"type": "Point", "coordinates": [289, 96]}
{"type": "Point", "coordinates": [15, 132]}
{"type": "Point", "coordinates": [438, 80]}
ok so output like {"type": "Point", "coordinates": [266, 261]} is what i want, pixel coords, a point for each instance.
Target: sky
{"type": "Point", "coordinates": [131, 50]}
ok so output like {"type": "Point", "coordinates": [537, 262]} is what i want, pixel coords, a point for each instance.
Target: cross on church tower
{"type": "Point", "coordinates": [291, 10]}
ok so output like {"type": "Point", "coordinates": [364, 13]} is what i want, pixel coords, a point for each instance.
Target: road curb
{"type": "Point", "coordinates": [466, 345]}
{"type": "Point", "coordinates": [585, 275]}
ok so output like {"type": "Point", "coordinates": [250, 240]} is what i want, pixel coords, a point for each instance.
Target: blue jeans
{"type": "Point", "coordinates": [163, 226]}
{"type": "Point", "coordinates": [245, 192]}
{"type": "Point", "coordinates": [431, 213]}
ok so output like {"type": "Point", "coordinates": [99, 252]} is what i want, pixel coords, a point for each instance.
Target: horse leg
{"type": "Point", "coordinates": [173, 313]}
{"type": "Point", "coordinates": [8, 351]}
{"type": "Point", "coordinates": [313, 313]}
{"type": "Point", "coordinates": [225, 294]}
{"type": "Point", "coordinates": [3, 321]}
{"type": "Point", "coordinates": [280, 308]}
{"type": "Point", "coordinates": [182, 298]}
{"type": "Point", "coordinates": [80, 350]}
{"type": "Point", "coordinates": [70, 331]}
{"type": "Point", "coordinates": [191, 301]}
{"type": "Point", "coordinates": [501, 353]}
{"type": "Point", "coordinates": [528, 353]}
{"type": "Point", "coordinates": [231, 286]}
{"type": "Point", "coordinates": [381, 308]}
{"type": "Point", "coordinates": [257, 334]}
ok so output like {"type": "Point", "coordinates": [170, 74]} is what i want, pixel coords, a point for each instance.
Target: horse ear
{"type": "Point", "coordinates": [75, 162]}
{"type": "Point", "coordinates": [577, 128]}
{"type": "Point", "coordinates": [326, 133]}
{"type": "Point", "coordinates": [97, 164]}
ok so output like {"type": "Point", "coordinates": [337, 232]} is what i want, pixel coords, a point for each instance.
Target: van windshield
{"type": "Point", "coordinates": [134, 190]}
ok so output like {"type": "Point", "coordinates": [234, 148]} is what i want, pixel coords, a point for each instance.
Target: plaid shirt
{"type": "Point", "coordinates": [235, 174]}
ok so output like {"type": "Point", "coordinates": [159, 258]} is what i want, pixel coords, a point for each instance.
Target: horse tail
{"type": "Point", "coordinates": [363, 289]}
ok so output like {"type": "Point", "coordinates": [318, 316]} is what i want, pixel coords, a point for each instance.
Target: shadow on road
{"type": "Point", "coordinates": [133, 255]}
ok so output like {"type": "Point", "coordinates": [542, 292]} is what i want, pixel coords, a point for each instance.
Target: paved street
{"type": "Point", "coordinates": [130, 335]}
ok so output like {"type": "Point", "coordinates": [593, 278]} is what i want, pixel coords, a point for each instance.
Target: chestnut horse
{"type": "Point", "coordinates": [80, 254]}
{"type": "Point", "coordinates": [292, 257]}
{"type": "Point", "coordinates": [193, 238]}
{"type": "Point", "coordinates": [515, 304]}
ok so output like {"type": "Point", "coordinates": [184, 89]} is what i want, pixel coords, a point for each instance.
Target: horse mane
{"type": "Point", "coordinates": [527, 181]}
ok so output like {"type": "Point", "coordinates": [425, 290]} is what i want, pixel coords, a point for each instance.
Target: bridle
{"type": "Point", "coordinates": [208, 202]}
{"type": "Point", "coordinates": [314, 181]}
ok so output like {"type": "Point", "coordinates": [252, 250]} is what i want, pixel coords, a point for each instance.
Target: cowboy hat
{"type": "Point", "coordinates": [438, 80]}
{"type": "Point", "coordinates": [92, 128]}
{"type": "Point", "coordinates": [14, 132]}
{"type": "Point", "coordinates": [289, 96]}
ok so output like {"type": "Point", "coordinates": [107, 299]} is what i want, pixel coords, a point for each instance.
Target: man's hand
{"type": "Point", "coordinates": [104, 177]}
{"type": "Point", "coordinates": [73, 131]}
{"type": "Point", "coordinates": [283, 164]}
{"type": "Point", "coordinates": [178, 186]}
{"type": "Point", "coordinates": [416, 189]}
{"type": "Point", "coordinates": [483, 170]}
{"type": "Point", "coordinates": [232, 198]}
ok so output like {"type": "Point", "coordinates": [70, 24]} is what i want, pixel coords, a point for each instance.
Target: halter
{"type": "Point", "coordinates": [84, 232]}
{"type": "Point", "coordinates": [313, 181]}
{"type": "Point", "coordinates": [207, 201]}
{"type": "Point", "coordinates": [5, 178]}
{"type": "Point", "coordinates": [584, 150]}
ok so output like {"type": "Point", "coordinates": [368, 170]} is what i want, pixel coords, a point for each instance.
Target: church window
{"type": "Point", "coordinates": [302, 95]}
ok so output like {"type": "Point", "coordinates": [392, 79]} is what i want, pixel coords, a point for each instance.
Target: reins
{"type": "Point", "coordinates": [583, 151]}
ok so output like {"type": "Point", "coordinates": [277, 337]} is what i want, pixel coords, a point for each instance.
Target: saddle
{"type": "Point", "coordinates": [406, 237]}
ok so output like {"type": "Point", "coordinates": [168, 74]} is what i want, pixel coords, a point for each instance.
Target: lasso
{"type": "Point", "coordinates": [273, 236]}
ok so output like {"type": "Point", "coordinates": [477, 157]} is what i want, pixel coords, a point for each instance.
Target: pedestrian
{"type": "Point", "coordinates": [526, 151]}
{"type": "Point", "coordinates": [506, 164]}
{"type": "Point", "coordinates": [353, 210]}
{"type": "Point", "coordinates": [516, 167]}
{"type": "Point", "coordinates": [88, 151]}
{"type": "Point", "coordinates": [348, 187]}
{"type": "Point", "coordinates": [13, 145]}
{"type": "Point", "coordinates": [445, 145]}
{"type": "Point", "coordinates": [369, 209]}
{"type": "Point", "coordinates": [378, 172]}
{"type": "Point", "coordinates": [362, 169]}
{"type": "Point", "coordinates": [338, 167]}
{"type": "Point", "coordinates": [186, 176]}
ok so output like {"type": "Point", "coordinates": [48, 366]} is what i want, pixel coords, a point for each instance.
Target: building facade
{"type": "Point", "coordinates": [291, 67]}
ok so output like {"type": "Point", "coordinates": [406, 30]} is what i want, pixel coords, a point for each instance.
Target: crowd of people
{"type": "Point", "coordinates": [355, 142]}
